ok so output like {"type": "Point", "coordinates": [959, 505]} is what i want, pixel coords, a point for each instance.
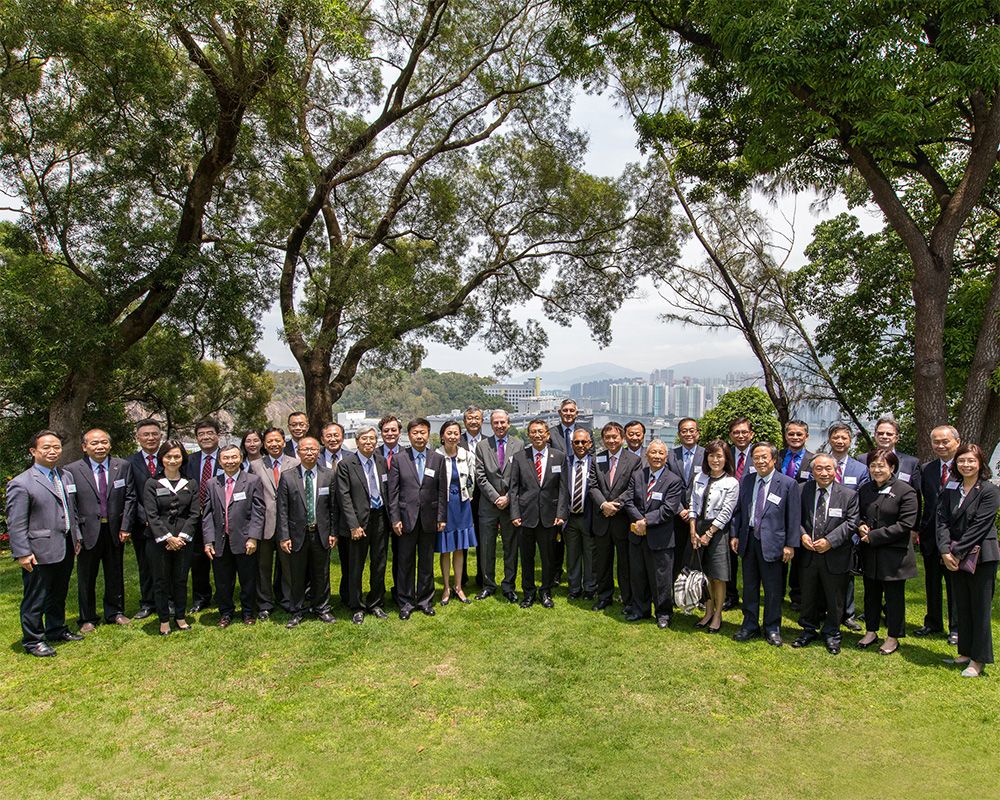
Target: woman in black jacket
{"type": "Point", "coordinates": [888, 514]}
{"type": "Point", "coordinates": [967, 540]}
{"type": "Point", "coordinates": [172, 511]}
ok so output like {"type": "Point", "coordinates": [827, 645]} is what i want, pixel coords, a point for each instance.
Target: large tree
{"type": "Point", "coordinates": [869, 97]}
{"type": "Point", "coordinates": [431, 186]}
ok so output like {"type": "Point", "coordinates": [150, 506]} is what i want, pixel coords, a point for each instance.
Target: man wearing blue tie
{"type": "Point", "coordinates": [689, 456]}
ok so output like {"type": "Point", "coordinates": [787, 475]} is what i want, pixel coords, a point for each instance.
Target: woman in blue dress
{"type": "Point", "coordinates": [459, 534]}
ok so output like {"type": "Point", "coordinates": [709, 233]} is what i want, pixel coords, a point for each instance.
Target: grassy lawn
{"type": "Point", "coordinates": [485, 701]}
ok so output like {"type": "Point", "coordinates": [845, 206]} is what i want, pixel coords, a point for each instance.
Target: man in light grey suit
{"type": "Point", "coordinates": [44, 538]}
{"type": "Point", "coordinates": [494, 456]}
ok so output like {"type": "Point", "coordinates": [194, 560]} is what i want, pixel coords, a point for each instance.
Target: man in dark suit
{"type": "Point", "coordinates": [576, 532]}
{"type": "Point", "coordinates": [561, 439]}
{"type": "Point", "coordinates": [610, 483]}
{"type": "Point", "coordinates": [794, 462]}
{"type": "Point", "coordinates": [852, 474]}
{"type": "Point", "coordinates": [688, 457]}
{"type": "Point", "coordinates": [494, 457]}
{"type": "Point", "coordinates": [144, 465]}
{"type": "Point", "coordinates": [935, 475]}
{"type": "Point", "coordinates": [232, 523]}
{"type": "Point", "coordinates": [830, 516]}
{"type": "Point", "coordinates": [333, 442]}
{"type": "Point", "coordinates": [741, 435]}
{"type": "Point", "coordinates": [105, 504]}
{"type": "Point", "coordinates": [202, 467]}
{"type": "Point", "coordinates": [362, 488]}
{"type": "Point", "coordinates": [887, 436]}
{"type": "Point", "coordinates": [472, 419]}
{"type": "Point", "coordinates": [635, 439]}
{"type": "Point", "coordinates": [391, 429]}
{"type": "Point", "coordinates": [272, 589]}
{"type": "Point", "coordinates": [765, 534]}
{"type": "Point", "coordinates": [655, 498]}
{"type": "Point", "coordinates": [306, 530]}
{"type": "Point", "coordinates": [538, 507]}
{"type": "Point", "coordinates": [44, 537]}
{"type": "Point", "coordinates": [298, 426]}
{"type": "Point", "coordinates": [418, 510]}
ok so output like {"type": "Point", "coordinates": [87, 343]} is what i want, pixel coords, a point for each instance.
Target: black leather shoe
{"type": "Point", "coordinates": [379, 613]}
{"type": "Point", "coordinates": [729, 604]}
{"type": "Point", "coordinates": [264, 616]}
{"type": "Point", "coordinates": [527, 602]}
{"type": "Point", "coordinates": [511, 597]}
{"type": "Point", "coordinates": [795, 605]}
{"type": "Point", "coordinates": [358, 618]}
{"type": "Point", "coordinates": [40, 650]}
{"type": "Point", "coordinates": [427, 611]}
{"type": "Point", "coordinates": [225, 621]}
{"type": "Point", "coordinates": [327, 617]}
{"type": "Point", "coordinates": [773, 639]}
{"type": "Point", "coordinates": [197, 606]}
{"type": "Point", "coordinates": [547, 601]}
{"type": "Point", "coordinates": [574, 595]}
{"type": "Point", "coordinates": [852, 625]}
{"type": "Point", "coordinates": [663, 622]}
{"type": "Point", "coordinates": [744, 635]}
{"type": "Point", "coordinates": [923, 630]}
{"type": "Point", "coordinates": [69, 636]}
{"type": "Point", "coordinates": [142, 613]}
{"type": "Point", "coordinates": [484, 594]}
{"type": "Point", "coordinates": [953, 638]}
{"type": "Point", "coordinates": [832, 647]}
{"type": "Point", "coordinates": [249, 619]}
{"type": "Point", "coordinates": [632, 617]}
{"type": "Point", "coordinates": [804, 640]}
{"type": "Point", "coordinates": [294, 622]}
{"type": "Point", "coordinates": [600, 605]}
{"type": "Point", "coordinates": [588, 595]}
{"type": "Point", "coordinates": [405, 615]}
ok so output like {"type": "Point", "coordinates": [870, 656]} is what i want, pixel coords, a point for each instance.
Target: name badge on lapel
{"type": "Point", "coordinates": [239, 496]}
{"type": "Point", "coordinates": [428, 473]}
{"type": "Point", "coordinates": [120, 483]}
{"type": "Point", "coordinates": [162, 491]}
{"type": "Point", "coordinates": [951, 485]}
{"type": "Point", "coordinates": [71, 488]}
{"type": "Point", "coordinates": [806, 475]}
{"type": "Point", "coordinates": [385, 478]}
{"type": "Point", "coordinates": [323, 490]}
{"type": "Point", "coordinates": [835, 512]}
{"type": "Point", "coordinates": [850, 480]}
{"type": "Point", "coordinates": [556, 469]}
{"type": "Point", "coordinates": [773, 498]}
{"type": "Point", "coordinates": [602, 459]}
{"type": "Point", "coordinates": [904, 476]}
{"type": "Point", "coordinates": [656, 496]}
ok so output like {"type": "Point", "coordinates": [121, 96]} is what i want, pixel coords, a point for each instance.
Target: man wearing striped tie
{"type": "Point", "coordinates": [576, 532]}
{"type": "Point", "coordinates": [144, 464]}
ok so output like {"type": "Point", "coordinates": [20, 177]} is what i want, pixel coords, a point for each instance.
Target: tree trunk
{"type": "Point", "coordinates": [930, 299]}
{"type": "Point", "coordinates": [68, 407]}
{"type": "Point", "coordinates": [320, 395]}
{"type": "Point", "coordinates": [978, 395]}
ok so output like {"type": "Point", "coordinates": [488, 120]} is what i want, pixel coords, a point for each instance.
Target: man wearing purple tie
{"type": "Point", "coordinates": [494, 455]}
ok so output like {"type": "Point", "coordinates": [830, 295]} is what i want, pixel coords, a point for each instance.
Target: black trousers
{"type": "Point", "coordinates": [682, 544]}
{"type": "Point", "coordinates": [823, 596]}
{"type": "Point", "coordinates": [266, 549]}
{"type": "Point", "coordinates": [107, 554]}
{"type": "Point", "coordinates": [393, 545]}
{"type": "Point", "coordinates": [370, 548]}
{"type": "Point", "coordinates": [344, 554]}
{"type": "Point", "coordinates": [43, 607]}
{"type": "Point", "coordinates": [227, 565]}
{"type": "Point", "coordinates": [476, 526]}
{"type": "Point", "coordinates": [308, 570]}
{"type": "Point", "coordinates": [621, 546]}
{"type": "Point", "coordinates": [934, 574]}
{"type": "Point", "coordinates": [732, 586]}
{"type": "Point", "coordinates": [974, 605]}
{"type": "Point", "coordinates": [558, 557]}
{"type": "Point", "coordinates": [579, 553]}
{"type": "Point", "coordinates": [895, 606]}
{"type": "Point", "coordinates": [758, 574]}
{"type": "Point", "coordinates": [170, 578]}
{"type": "Point", "coordinates": [491, 521]}
{"type": "Point", "coordinates": [142, 542]}
{"type": "Point", "coordinates": [543, 537]}
{"type": "Point", "coordinates": [794, 584]}
{"type": "Point", "coordinates": [201, 572]}
{"type": "Point", "coordinates": [604, 556]}
{"type": "Point", "coordinates": [652, 573]}
{"type": "Point", "coordinates": [415, 550]}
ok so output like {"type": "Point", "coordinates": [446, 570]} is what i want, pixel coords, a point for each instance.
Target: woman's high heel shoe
{"type": "Point", "coordinates": [461, 596]}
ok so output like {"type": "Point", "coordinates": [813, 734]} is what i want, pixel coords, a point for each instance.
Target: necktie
{"type": "Point", "coordinates": [687, 465]}
{"type": "Point", "coordinates": [310, 499]}
{"type": "Point", "coordinates": [838, 474]}
{"type": "Point", "coordinates": [944, 473]}
{"type": "Point", "coordinates": [276, 470]}
{"type": "Point", "coordinates": [230, 483]}
{"type": "Point", "coordinates": [649, 487]}
{"type": "Point", "coordinates": [501, 454]}
{"type": "Point", "coordinates": [388, 460]}
{"type": "Point", "coordinates": [151, 465]}
{"type": "Point", "coordinates": [758, 508]}
{"type": "Point", "coordinates": [206, 476]}
{"type": "Point", "coordinates": [790, 469]}
{"type": "Point", "coordinates": [611, 471]}
{"type": "Point", "coordinates": [578, 487]}
{"type": "Point", "coordinates": [538, 466]}
{"type": "Point", "coordinates": [819, 523]}
{"type": "Point", "coordinates": [569, 440]}
{"type": "Point", "coordinates": [57, 482]}
{"type": "Point", "coordinates": [373, 492]}
{"type": "Point", "coordinates": [421, 457]}
{"type": "Point", "coordinates": [740, 464]}
{"type": "Point", "coordinates": [102, 492]}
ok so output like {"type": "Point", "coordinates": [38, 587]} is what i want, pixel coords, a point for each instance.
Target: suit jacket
{"type": "Point", "coordinates": [747, 464]}
{"type": "Point", "coordinates": [246, 512]}
{"type": "Point", "coordinates": [696, 466]}
{"type": "Point", "coordinates": [35, 519]}
{"type": "Point", "coordinates": [140, 474]}
{"type": "Point", "coordinates": [804, 472]}
{"type": "Point", "coordinates": [568, 487]}
{"type": "Point", "coordinates": [930, 491]}
{"type": "Point", "coordinates": [291, 506]}
{"type": "Point", "coordinates": [193, 469]}
{"type": "Point", "coordinates": [841, 524]}
{"type": "Point", "coordinates": [412, 501]}
{"type": "Point", "coordinates": [121, 499]}
{"type": "Point", "coordinates": [856, 470]}
{"type": "Point", "coordinates": [174, 512]}
{"type": "Point", "coordinates": [557, 436]}
{"type": "Point", "coordinates": [352, 490]}
{"type": "Point", "coordinates": [891, 513]}
{"type": "Point", "coordinates": [538, 505]}
{"type": "Point", "coordinates": [493, 478]}
{"type": "Point", "coordinates": [659, 511]}
{"type": "Point", "coordinates": [973, 522]}
{"type": "Point", "coordinates": [325, 458]}
{"type": "Point", "coordinates": [780, 523]}
{"type": "Point", "coordinates": [601, 491]}
{"type": "Point", "coordinates": [263, 468]}
{"type": "Point", "coordinates": [290, 448]}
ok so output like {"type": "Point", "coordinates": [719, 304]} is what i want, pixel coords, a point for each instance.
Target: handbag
{"type": "Point", "coordinates": [691, 587]}
{"type": "Point", "coordinates": [969, 563]}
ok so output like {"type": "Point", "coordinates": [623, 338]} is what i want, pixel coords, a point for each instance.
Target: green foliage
{"type": "Point", "coordinates": [751, 403]}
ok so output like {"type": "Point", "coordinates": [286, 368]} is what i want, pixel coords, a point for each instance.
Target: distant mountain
{"type": "Point", "coordinates": [563, 379]}
{"type": "Point", "coordinates": [715, 367]}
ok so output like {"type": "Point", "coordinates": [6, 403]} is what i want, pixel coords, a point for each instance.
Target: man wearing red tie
{"type": "Point", "coordinates": [144, 464]}
{"type": "Point", "coordinates": [202, 468]}
{"type": "Point", "coordinates": [741, 434]}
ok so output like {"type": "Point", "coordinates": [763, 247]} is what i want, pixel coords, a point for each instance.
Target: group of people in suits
{"type": "Point", "coordinates": [268, 513]}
